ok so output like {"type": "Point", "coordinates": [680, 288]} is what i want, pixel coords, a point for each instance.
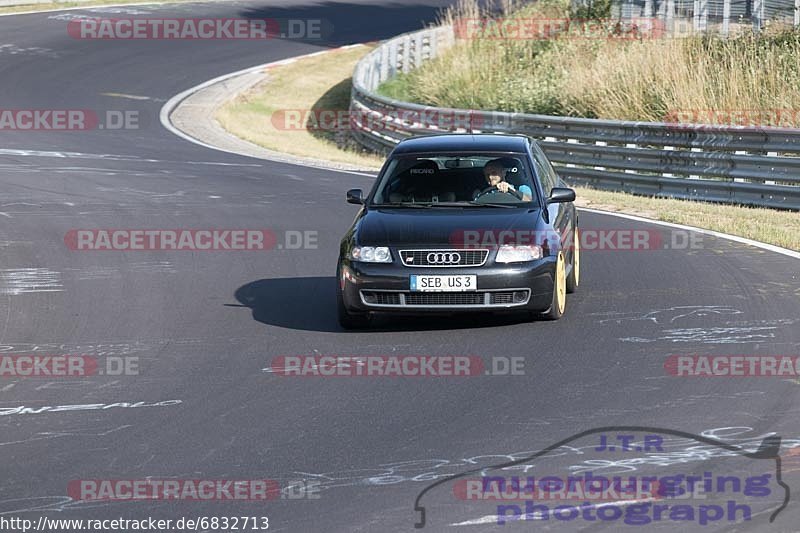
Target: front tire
{"type": "Point", "coordinates": [559, 302]}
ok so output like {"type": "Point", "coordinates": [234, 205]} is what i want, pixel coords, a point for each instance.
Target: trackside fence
{"type": "Point", "coordinates": [731, 164]}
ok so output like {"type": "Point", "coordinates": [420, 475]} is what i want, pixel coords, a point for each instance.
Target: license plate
{"type": "Point", "coordinates": [444, 283]}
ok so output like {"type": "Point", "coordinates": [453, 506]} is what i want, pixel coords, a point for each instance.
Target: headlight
{"type": "Point", "coordinates": [371, 254]}
{"type": "Point", "coordinates": [516, 254]}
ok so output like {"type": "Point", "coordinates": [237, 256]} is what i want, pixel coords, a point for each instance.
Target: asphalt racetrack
{"type": "Point", "coordinates": [205, 326]}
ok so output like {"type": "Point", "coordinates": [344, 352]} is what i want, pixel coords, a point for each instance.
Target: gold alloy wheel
{"type": "Point", "coordinates": [561, 283]}
{"type": "Point", "coordinates": [576, 258]}
{"type": "Point", "coordinates": [574, 278]}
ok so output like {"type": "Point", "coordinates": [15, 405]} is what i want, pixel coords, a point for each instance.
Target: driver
{"type": "Point", "coordinates": [495, 172]}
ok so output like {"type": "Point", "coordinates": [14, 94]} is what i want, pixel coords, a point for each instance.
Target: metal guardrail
{"type": "Point", "coordinates": [738, 165]}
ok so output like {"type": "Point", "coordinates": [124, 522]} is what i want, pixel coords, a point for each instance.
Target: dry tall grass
{"type": "Point", "coordinates": [644, 79]}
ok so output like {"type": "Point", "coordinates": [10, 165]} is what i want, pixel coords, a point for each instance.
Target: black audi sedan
{"type": "Point", "coordinates": [460, 223]}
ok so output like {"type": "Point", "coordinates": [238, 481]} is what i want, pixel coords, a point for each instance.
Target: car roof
{"type": "Point", "coordinates": [459, 142]}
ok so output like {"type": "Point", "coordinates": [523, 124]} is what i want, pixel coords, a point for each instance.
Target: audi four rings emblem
{"type": "Point", "coordinates": [444, 258]}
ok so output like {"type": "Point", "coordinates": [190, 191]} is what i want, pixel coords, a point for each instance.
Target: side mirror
{"type": "Point", "coordinates": [354, 196]}
{"type": "Point", "coordinates": [560, 195]}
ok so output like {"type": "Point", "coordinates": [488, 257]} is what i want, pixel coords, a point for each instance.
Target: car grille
{"type": "Point", "coordinates": [477, 299]}
{"type": "Point", "coordinates": [444, 298]}
{"type": "Point", "coordinates": [443, 258]}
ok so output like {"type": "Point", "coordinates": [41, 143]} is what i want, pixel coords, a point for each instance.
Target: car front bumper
{"type": "Point", "coordinates": [385, 288]}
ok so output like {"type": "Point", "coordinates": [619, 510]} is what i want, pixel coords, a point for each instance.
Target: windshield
{"type": "Point", "coordinates": [448, 180]}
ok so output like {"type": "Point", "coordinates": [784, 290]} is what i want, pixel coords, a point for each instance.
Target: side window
{"type": "Point", "coordinates": [544, 170]}
{"type": "Point", "coordinates": [541, 175]}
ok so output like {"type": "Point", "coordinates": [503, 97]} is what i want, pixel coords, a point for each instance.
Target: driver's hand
{"type": "Point", "coordinates": [504, 186]}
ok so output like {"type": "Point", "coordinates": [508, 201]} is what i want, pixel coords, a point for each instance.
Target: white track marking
{"type": "Point", "coordinates": [128, 96]}
{"type": "Point", "coordinates": [173, 103]}
{"type": "Point", "coordinates": [21, 152]}
{"type": "Point", "coordinates": [16, 281]}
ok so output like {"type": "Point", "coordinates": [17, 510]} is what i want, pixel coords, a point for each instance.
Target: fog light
{"type": "Point", "coordinates": [519, 296]}
{"type": "Point", "coordinates": [369, 297]}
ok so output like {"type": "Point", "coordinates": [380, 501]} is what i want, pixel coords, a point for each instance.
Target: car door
{"type": "Point", "coordinates": [562, 216]}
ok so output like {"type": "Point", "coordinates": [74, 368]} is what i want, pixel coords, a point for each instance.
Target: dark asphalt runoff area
{"type": "Point", "coordinates": [204, 326]}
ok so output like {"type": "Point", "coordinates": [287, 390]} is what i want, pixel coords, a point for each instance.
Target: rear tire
{"type": "Point", "coordinates": [559, 302]}
{"type": "Point", "coordinates": [574, 278]}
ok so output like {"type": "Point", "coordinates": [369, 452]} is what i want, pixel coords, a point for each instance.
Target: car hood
{"type": "Point", "coordinates": [439, 226]}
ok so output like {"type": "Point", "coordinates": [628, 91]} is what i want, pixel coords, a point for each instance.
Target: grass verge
{"type": "Point", "coordinates": [298, 94]}
{"type": "Point", "coordinates": [319, 83]}
{"type": "Point", "coordinates": [781, 228]}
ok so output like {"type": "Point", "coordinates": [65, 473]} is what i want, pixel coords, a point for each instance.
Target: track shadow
{"type": "Point", "coordinates": [337, 98]}
{"type": "Point", "coordinates": [310, 304]}
{"type": "Point", "coordinates": [343, 23]}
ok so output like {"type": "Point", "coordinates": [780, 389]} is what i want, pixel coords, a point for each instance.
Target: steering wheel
{"type": "Point", "coordinates": [495, 190]}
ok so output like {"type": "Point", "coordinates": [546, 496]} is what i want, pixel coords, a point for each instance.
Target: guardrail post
{"type": "Point", "coordinates": [700, 15]}
{"type": "Point", "coordinates": [695, 176]}
{"type": "Point", "coordinates": [393, 59]}
{"type": "Point", "coordinates": [571, 141]}
{"type": "Point", "coordinates": [600, 143]}
{"type": "Point", "coordinates": [399, 60]}
{"type": "Point", "coordinates": [670, 17]}
{"type": "Point", "coordinates": [726, 17]}
{"type": "Point", "coordinates": [417, 50]}
{"type": "Point", "coordinates": [630, 145]}
{"type": "Point", "coordinates": [740, 152]}
{"type": "Point", "coordinates": [668, 174]}
{"type": "Point", "coordinates": [374, 76]}
{"type": "Point", "coordinates": [770, 154]}
{"type": "Point", "coordinates": [797, 12]}
{"type": "Point", "coordinates": [758, 15]}
{"type": "Point", "coordinates": [384, 64]}
{"type": "Point", "coordinates": [406, 54]}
